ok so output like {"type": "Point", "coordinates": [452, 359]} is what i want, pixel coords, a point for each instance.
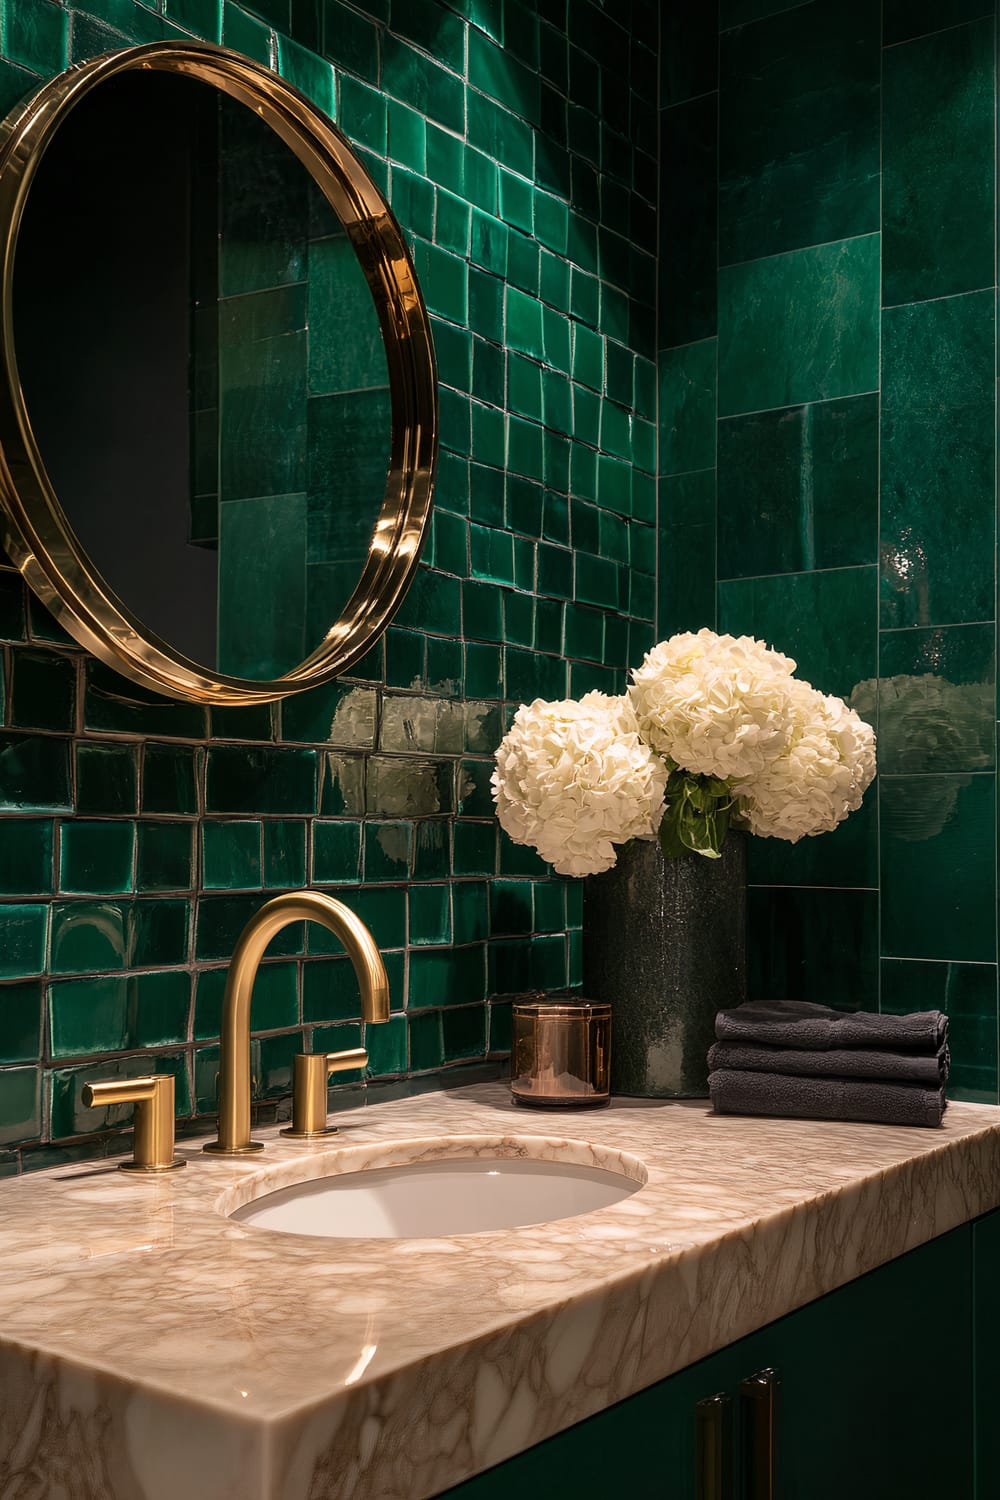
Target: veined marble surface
{"type": "Point", "coordinates": [151, 1348]}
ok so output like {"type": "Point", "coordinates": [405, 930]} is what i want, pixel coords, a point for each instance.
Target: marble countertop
{"type": "Point", "coordinates": [150, 1347]}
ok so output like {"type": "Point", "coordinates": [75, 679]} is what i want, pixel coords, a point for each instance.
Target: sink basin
{"type": "Point", "coordinates": [501, 1186]}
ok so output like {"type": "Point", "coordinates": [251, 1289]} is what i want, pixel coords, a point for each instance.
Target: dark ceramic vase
{"type": "Point", "coordinates": [664, 940]}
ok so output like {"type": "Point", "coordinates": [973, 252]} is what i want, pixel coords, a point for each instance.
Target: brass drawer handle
{"type": "Point", "coordinates": [714, 1448]}
{"type": "Point", "coordinates": [758, 1398]}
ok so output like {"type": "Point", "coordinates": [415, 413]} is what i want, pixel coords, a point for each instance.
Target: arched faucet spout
{"type": "Point", "coordinates": [234, 1062]}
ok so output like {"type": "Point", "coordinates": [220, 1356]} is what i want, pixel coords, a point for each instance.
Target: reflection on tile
{"type": "Point", "coordinates": [799, 327]}
{"type": "Point", "coordinates": [938, 152]}
{"type": "Point", "coordinates": [939, 867]}
{"type": "Point", "coordinates": [799, 129]}
{"type": "Point", "coordinates": [967, 993]}
{"type": "Point", "coordinates": [936, 699]}
{"type": "Point", "coordinates": [937, 461]}
{"type": "Point", "coordinates": [402, 786]}
{"type": "Point", "coordinates": [798, 488]}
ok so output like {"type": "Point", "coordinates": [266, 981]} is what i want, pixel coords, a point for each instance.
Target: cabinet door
{"type": "Point", "coordinates": [876, 1397]}
{"type": "Point", "coordinates": [986, 1325]}
{"type": "Point", "coordinates": [643, 1448]}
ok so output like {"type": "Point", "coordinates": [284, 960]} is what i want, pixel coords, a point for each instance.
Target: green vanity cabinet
{"type": "Point", "coordinates": [873, 1396]}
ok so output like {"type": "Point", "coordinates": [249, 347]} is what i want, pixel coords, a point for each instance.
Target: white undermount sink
{"type": "Point", "coordinates": [465, 1187]}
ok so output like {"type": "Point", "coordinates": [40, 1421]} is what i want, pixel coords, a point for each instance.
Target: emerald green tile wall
{"type": "Point", "coordinates": [517, 141]}
{"type": "Point", "coordinates": [827, 371]}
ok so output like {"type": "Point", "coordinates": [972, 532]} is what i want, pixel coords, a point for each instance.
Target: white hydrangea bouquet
{"type": "Point", "coordinates": [714, 728]}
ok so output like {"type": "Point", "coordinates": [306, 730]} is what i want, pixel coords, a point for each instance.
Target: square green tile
{"type": "Point", "coordinates": [164, 856]}
{"type": "Point", "coordinates": [96, 858]}
{"type": "Point", "coordinates": [20, 1023]}
{"type": "Point", "coordinates": [797, 488]}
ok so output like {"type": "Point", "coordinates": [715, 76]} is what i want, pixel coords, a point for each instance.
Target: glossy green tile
{"type": "Point", "coordinates": [20, 1105]}
{"type": "Point", "coordinates": [464, 1032]}
{"type": "Point", "coordinates": [106, 779]}
{"type": "Point", "coordinates": [937, 700]}
{"type": "Point", "coordinates": [114, 705]}
{"type": "Point", "coordinates": [688, 260]}
{"type": "Point", "coordinates": [430, 915]}
{"type": "Point", "coordinates": [447, 976]}
{"type": "Point", "coordinates": [169, 779]}
{"type": "Point", "coordinates": [687, 407]}
{"type": "Point", "coordinates": [26, 857]}
{"type": "Point", "coordinates": [905, 19]}
{"type": "Point", "coordinates": [90, 936]}
{"type": "Point", "coordinates": [937, 448]}
{"type": "Point", "coordinates": [846, 857]}
{"type": "Point", "coordinates": [284, 853]}
{"type": "Point", "coordinates": [43, 691]}
{"type": "Point", "coordinates": [275, 1001]}
{"type": "Point", "coordinates": [221, 919]}
{"type": "Point", "coordinates": [35, 774]}
{"type": "Point", "coordinates": [259, 780]}
{"type": "Point", "coordinates": [96, 858]}
{"type": "Point", "coordinates": [387, 1048]}
{"type": "Point", "coordinates": [231, 855]}
{"type": "Point", "coordinates": [159, 930]}
{"type": "Point", "coordinates": [938, 867]}
{"type": "Point", "coordinates": [164, 856]}
{"type": "Point", "coordinates": [936, 178]}
{"type": "Point", "coordinates": [23, 932]}
{"type": "Point", "coordinates": [330, 991]}
{"type": "Point", "coordinates": [967, 993]}
{"type": "Point", "coordinates": [818, 945]}
{"type": "Point", "coordinates": [426, 1041]}
{"type": "Point", "coordinates": [687, 577]}
{"type": "Point", "coordinates": [111, 1013]}
{"type": "Point", "coordinates": [799, 129]}
{"type": "Point", "coordinates": [20, 1023]}
{"type": "Point", "coordinates": [336, 853]}
{"type": "Point", "coordinates": [432, 849]}
{"type": "Point", "coordinates": [388, 851]}
{"type": "Point", "coordinates": [335, 714]}
{"type": "Point", "coordinates": [500, 1025]}
{"type": "Point", "coordinates": [826, 620]}
{"type": "Point", "coordinates": [798, 488]}
{"type": "Point", "coordinates": [799, 327]}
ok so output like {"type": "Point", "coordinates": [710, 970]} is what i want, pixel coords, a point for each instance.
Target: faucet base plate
{"type": "Point", "coordinates": [308, 1135]}
{"type": "Point", "coordinates": [218, 1149]}
{"type": "Point", "coordinates": [167, 1166]}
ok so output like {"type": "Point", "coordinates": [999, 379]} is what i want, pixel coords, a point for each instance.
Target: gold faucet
{"type": "Point", "coordinates": [234, 1063]}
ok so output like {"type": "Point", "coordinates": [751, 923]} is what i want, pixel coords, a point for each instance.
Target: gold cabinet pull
{"type": "Point", "coordinates": [153, 1097]}
{"type": "Point", "coordinates": [714, 1448]}
{"type": "Point", "coordinates": [312, 1069]}
{"type": "Point", "coordinates": [758, 1399]}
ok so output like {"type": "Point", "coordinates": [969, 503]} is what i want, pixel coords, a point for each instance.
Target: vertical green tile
{"type": "Point", "coordinates": [939, 867]}
{"type": "Point", "coordinates": [799, 129]}
{"type": "Point", "coordinates": [937, 460]}
{"type": "Point", "coordinates": [938, 169]}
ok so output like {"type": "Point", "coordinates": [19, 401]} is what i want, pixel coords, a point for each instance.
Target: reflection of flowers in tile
{"type": "Point", "coordinates": [353, 720]}
{"type": "Point", "coordinates": [927, 723]}
{"type": "Point", "coordinates": [405, 788]}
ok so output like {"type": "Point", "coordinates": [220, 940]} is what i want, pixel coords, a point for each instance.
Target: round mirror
{"type": "Point", "coordinates": [219, 420]}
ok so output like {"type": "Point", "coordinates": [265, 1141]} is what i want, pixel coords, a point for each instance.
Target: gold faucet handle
{"type": "Point", "coordinates": [153, 1097]}
{"type": "Point", "coordinates": [312, 1069]}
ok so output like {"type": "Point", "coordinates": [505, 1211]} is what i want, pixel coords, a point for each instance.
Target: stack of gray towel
{"type": "Point", "coordinates": [788, 1057]}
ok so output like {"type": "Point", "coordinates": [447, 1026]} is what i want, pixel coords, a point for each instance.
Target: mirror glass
{"type": "Point", "coordinates": [203, 370]}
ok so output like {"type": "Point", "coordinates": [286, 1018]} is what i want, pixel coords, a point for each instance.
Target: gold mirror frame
{"type": "Point", "coordinates": [36, 531]}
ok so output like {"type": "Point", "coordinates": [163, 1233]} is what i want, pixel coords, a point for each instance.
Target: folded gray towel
{"type": "Point", "coordinates": [798, 1023]}
{"type": "Point", "coordinates": [736, 1093]}
{"type": "Point", "coordinates": [929, 1068]}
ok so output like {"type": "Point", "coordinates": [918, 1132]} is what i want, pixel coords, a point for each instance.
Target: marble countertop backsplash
{"type": "Point", "coordinates": [150, 1347]}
